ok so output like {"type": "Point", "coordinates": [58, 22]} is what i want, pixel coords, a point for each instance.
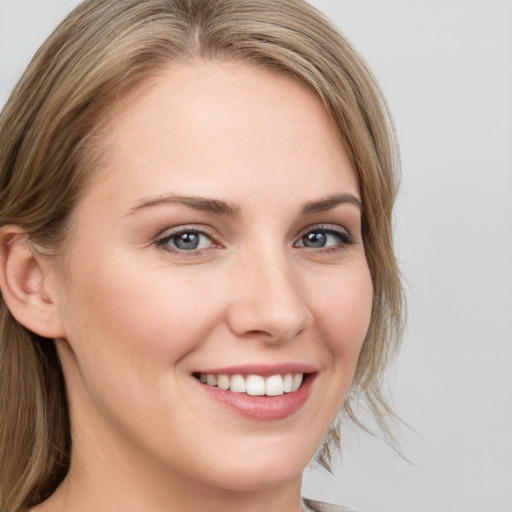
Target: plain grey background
{"type": "Point", "coordinates": [446, 68]}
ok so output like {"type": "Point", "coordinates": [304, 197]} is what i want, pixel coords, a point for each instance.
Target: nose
{"type": "Point", "coordinates": [267, 301]}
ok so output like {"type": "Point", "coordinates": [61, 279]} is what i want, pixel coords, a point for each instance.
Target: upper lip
{"type": "Point", "coordinates": [260, 369]}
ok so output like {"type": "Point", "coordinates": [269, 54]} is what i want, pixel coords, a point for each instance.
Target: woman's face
{"type": "Point", "coordinates": [222, 242]}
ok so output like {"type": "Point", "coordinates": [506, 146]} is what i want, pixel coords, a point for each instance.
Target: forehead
{"type": "Point", "coordinates": [223, 127]}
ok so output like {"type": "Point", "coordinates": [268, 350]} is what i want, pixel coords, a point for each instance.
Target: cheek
{"type": "Point", "coordinates": [128, 333]}
{"type": "Point", "coordinates": [146, 318]}
{"type": "Point", "coordinates": [343, 314]}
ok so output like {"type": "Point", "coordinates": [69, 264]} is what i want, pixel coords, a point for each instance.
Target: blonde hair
{"type": "Point", "coordinates": [103, 50]}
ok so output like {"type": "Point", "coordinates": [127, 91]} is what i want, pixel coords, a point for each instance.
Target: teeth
{"type": "Point", "coordinates": [274, 385]}
{"type": "Point", "coordinates": [223, 382]}
{"type": "Point", "coordinates": [297, 381]}
{"type": "Point", "coordinates": [238, 384]}
{"type": "Point", "coordinates": [287, 382]}
{"type": "Point", "coordinates": [254, 385]}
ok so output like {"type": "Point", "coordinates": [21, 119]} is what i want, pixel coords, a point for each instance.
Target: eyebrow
{"type": "Point", "coordinates": [219, 207]}
{"type": "Point", "coordinates": [330, 202]}
{"type": "Point", "coordinates": [196, 203]}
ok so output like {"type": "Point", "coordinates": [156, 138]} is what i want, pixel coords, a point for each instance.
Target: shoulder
{"type": "Point", "coordinates": [318, 506]}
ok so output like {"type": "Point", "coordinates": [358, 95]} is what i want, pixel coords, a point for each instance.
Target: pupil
{"type": "Point", "coordinates": [187, 241]}
{"type": "Point", "coordinates": [315, 239]}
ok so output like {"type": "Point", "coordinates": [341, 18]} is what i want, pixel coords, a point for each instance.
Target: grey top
{"type": "Point", "coordinates": [318, 506]}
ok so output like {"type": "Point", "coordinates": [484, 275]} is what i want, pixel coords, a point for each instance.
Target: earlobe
{"type": "Point", "coordinates": [23, 276]}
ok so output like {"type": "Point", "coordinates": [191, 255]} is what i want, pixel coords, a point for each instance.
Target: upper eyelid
{"type": "Point", "coordinates": [337, 228]}
{"type": "Point", "coordinates": [183, 228]}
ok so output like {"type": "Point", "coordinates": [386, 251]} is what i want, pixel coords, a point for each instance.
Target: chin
{"type": "Point", "coordinates": [265, 468]}
{"type": "Point", "coordinates": [249, 479]}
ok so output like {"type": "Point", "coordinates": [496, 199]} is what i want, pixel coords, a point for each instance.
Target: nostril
{"type": "Point", "coordinates": [259, 334]}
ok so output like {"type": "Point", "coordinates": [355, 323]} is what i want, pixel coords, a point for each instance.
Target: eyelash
{"type": "Point", "coordinates": [163, 242]}
{"type": "Point", "coordinates": [343, 236]}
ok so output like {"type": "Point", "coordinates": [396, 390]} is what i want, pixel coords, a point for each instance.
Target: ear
{"type": "Point", "coordinates": [24, 278]}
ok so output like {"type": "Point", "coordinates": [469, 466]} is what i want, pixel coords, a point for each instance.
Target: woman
{"type": "Point", "coordinates": [197, 267]}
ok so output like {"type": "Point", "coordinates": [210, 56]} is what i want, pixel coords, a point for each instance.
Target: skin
{"type": "Point", "coordinates": [137, 316]}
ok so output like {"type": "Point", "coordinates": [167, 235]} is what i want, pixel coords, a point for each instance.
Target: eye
{"type": "Point", "coordinates": [186, 240]}
{"type": "Point", "coordinates": [325, 238]}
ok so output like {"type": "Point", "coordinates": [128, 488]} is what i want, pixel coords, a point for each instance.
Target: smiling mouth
{"type": "Point", "coordinates": [253, 385]}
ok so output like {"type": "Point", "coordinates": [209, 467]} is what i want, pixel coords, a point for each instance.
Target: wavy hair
{"type": "Point", "coordinates": [104, 50]}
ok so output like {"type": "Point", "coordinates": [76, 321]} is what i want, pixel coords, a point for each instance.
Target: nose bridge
{"type": "Point", "coordinates": [269, 301]}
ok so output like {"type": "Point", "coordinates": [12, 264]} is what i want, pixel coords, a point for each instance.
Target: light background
{"type": "Point", "coordinates": [446, 68]}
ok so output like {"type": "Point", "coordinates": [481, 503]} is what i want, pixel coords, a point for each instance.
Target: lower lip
{"type": "Point", "coordinates": [262, 408]}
